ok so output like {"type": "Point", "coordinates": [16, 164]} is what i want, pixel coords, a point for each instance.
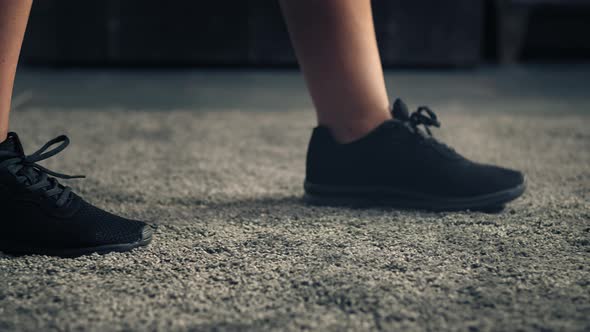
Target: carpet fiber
{"type": "Point", "coordinates": [237, 249]}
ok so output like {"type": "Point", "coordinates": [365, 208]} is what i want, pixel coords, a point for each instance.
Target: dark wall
{"type": "Point", "coordinates": [140, 32]}
{"type": "Point", "coordinates": [252, 32]}
{"type": "Point", "coordinates": [558, 31]}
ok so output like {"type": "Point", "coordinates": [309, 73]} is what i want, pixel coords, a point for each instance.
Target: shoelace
{"type": "Point", "coordinates": [26, 169]}
{"type": "Point", "coordinates": [426, 120]}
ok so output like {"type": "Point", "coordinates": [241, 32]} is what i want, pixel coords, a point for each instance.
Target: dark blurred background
{"type": "Point", "coordinates": [531, 55]}
{"type": "Point", "coordinates": [416, 33]}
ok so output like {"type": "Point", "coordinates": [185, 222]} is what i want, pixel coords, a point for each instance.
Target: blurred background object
{"type": "Point", "coordinates": [252, 33]}
{"type": "Point", "coordinates": [541, 29]}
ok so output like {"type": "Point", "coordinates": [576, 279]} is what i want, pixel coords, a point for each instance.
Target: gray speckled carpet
{"type": "Point", "coordinates": [237, 249]}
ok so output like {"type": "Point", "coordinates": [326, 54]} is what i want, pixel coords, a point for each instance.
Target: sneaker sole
{"type": "Point", "coordinates": [383, 196]}
{"type": "Point", "coordinates": [146, 238]}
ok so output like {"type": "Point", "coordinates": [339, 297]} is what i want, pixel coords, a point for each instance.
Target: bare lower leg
{"type": "Point", "coordinates": [337, 51]}
{"type": "Point", "coordinates": [13, 21]}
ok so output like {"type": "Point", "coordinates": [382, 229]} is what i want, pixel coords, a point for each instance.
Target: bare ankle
{"type": "Point", "coordinates": [350, 131]}
{"type": "Point", "coordinates": [3, 134]}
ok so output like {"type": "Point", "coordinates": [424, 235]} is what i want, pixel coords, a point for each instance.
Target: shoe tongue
{"type": "Point", "coordinates": [400, 111]}
{"type": "Point", "coordinates": [12, 144]}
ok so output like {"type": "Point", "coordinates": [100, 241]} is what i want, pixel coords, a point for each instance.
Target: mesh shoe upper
{"type": "Point", "coordinates": [39, 212]}
{"type": "Point", "coordinates": [400, 155]}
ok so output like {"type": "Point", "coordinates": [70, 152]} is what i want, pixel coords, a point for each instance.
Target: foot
{"type": "Point", "coordinates": [41, 216]}
{"type": "Point", "coordinates": [402, 165]}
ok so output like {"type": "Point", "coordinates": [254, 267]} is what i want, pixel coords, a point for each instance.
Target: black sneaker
{"type": "Point", "coordinates": [402, 165]}
{"type": "Point", "coordinates": [40, 216]}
